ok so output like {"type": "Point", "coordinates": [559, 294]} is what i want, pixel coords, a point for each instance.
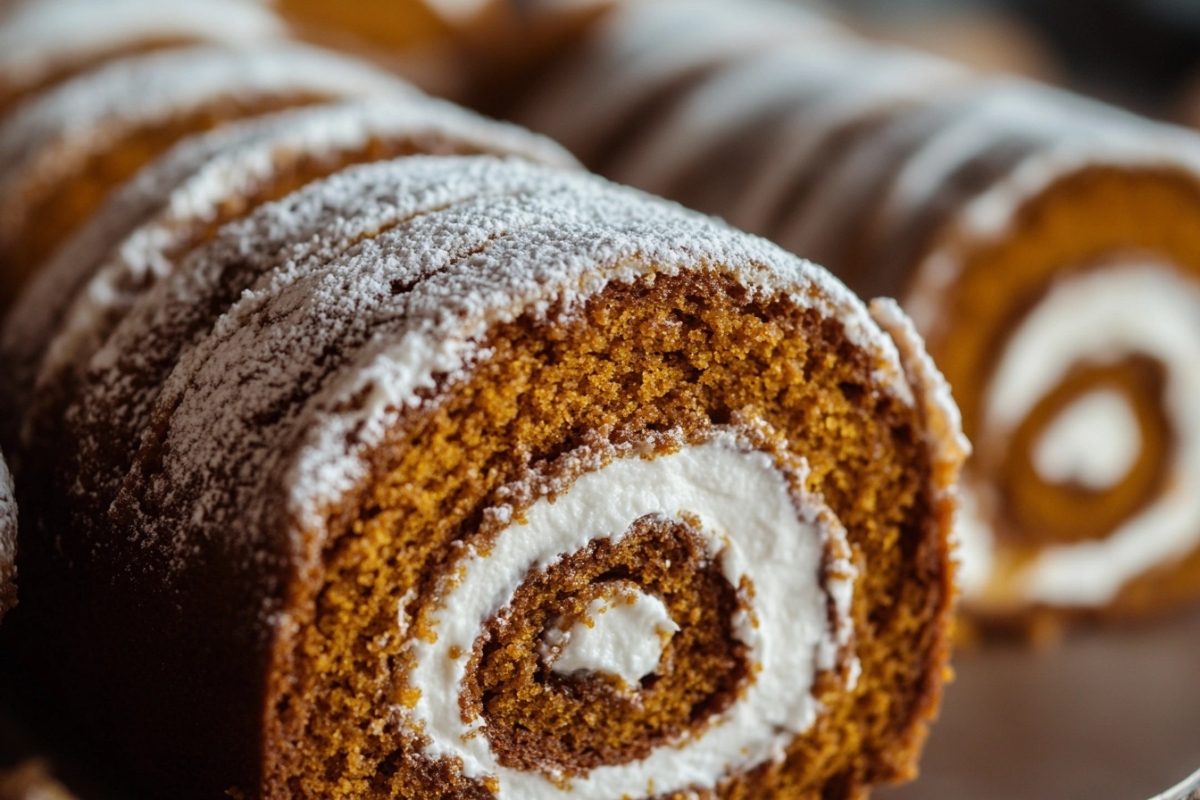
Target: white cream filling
{"type": "Point", "coordinates": [1102, 316]}
{"type": "Point", "coordinates": [1094, 442]}
{"type": "Point", "coordinates": [622, 635]}
{"type": "Point", "coordinates": [757, 530]}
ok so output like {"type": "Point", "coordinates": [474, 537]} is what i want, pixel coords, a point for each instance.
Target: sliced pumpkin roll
{"type": "Point", "coordinates": [1044, 245]}
{"type": "Point", "coordinates": [65, 151]}
{"type": "Point", "coordinates": [176, 204]}
{"type": "Point", "coordinates": [1046, 248]}
{"type": "Point", "coordinates": [468, 477]}
{"type": "Point", "coordinates": [45, 42]}
{"type": "Point", "coordinates": [1076, 374]}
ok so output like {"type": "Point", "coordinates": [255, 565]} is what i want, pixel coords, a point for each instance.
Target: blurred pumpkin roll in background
{"type": "Point", "coordinates": [1046, 246]}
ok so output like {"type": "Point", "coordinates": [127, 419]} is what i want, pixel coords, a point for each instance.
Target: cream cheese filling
{"type": "Point", "coordinates": [1094, 442]}
{"type": "Point", "coordinates": [761, 534]}
{"type": "Point", "coordinates": [1101, 316]}
{"type": "Point", "coordinates": [622, 635]}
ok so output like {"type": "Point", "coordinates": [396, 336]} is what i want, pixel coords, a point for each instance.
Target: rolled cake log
{"type": "Point", "coordinates": [1076, 366]}
{"type": "Point", "coordinates": [178, 203]}
{"type": "Point", "coordinates": [44, 42]}
{"type": "Point", "coordinates": [759, 111]}
{"type": "Point", "coordinates": [641, 55]}
{"type": "Point", "coordinates": [769, 124]}
{"type": "Point", "coordinates": [462, 477]}
{"type": "Point", "coordinates": [1046, 248]}
{"type": "Point", "coordinates": [63, 152]}
{"type": "Point", "coordinates": [8, 541]}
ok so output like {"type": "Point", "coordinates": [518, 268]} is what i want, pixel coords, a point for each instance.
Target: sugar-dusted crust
{"type": "Point", "coordinates": [748, 136]}
{"type": "Point", "coordinates": [50, 39]}
{"type": "Point", "coordinates": [178, 203]}
{"type": "Point", "coordinates": [135, 91]}
{"type": "Point", "coordinates": [337, 390]}
{"type": "Point", "coordinates": [65, 151]}
{"type": "Point", "coordinates": [636, 58]}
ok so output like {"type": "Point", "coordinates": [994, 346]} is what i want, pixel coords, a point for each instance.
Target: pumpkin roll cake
{"type": "Point", "coordinates": [44, 42]}
{"type": "Point", "coordinates": [1046, 247]}
{"type": "Point", "coordinates": [178, 203]}
{"type": "Point", "coordinates": [63, 152]}
{"type": "Point", "coordinates": [472, 477]}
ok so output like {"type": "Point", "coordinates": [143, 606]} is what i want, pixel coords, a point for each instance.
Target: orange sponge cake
{"type": "Point", "coordinates": [1045, 246]}
{"type": "Point", "coordinates": [468, 477]}
{"type": "Point", "coordinates": [63, 152]}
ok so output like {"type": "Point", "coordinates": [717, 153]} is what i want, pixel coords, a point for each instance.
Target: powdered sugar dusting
{"type": "Point", "coordinates": [824, 83]}
{"type": "Point", "coordinates": [876, 81]}
{"type": "Point", "coordinates": [1087, 135]}
{"type": "Point", "coordinates": [401, 344]}
{"type": "Point", "coordinates": [947, 445]}
{"type": "Point", "coordinates": [40, 38]}
{"type": "Point", "coordinates": [8, 541]}
{"type": "Point", "coordinates": [309, 227]}
{"type": "Point", "coordinates": [133, 242]}
{"type": "Point", "coordinates": [642, 48]}
{"type": "Point", "coordinates": [45, 136]}
{"type": "Point", "coordinates": [561, 265]}
{"type": "Point", "coordinates": [36, 315]}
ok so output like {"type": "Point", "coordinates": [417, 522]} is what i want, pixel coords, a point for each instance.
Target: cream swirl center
{"type": "Point", "coordinates": [1093, 443]}
{"type": "Point", "coordinates": [1097, 317]}
{"type": "Point", "coordinates": [622, 635]}
{"type": "Point", "coordinates": [781, 545]}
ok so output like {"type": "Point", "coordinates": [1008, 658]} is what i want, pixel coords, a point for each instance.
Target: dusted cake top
{"type": "Point", "coordinates": [642, 51]}
{"type": "Point", "coordinates": [41, 37]}
{"type": "Point", "coordinates": [76, 298]}
{"type": "Point", "coordinates": [107, 103]}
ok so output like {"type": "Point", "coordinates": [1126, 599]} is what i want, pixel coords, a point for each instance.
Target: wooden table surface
{"type": "Point", "coordinates": [1104, 715]}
